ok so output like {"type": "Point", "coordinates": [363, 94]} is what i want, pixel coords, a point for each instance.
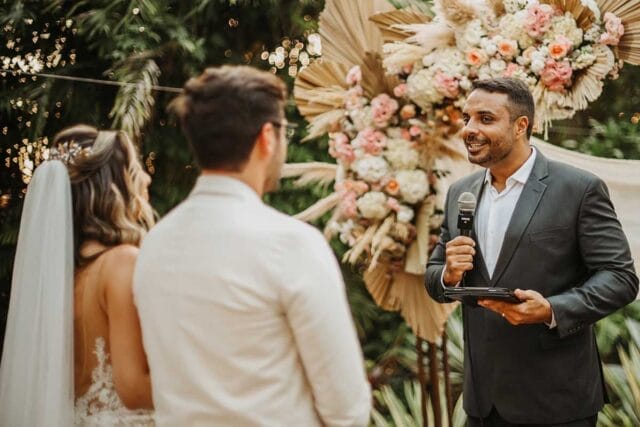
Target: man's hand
{"type": "Point", "coordinates": [459, 255]}
{"type": "Point", "coordinates": [534, 308]}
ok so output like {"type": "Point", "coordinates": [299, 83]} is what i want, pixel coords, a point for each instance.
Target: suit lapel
{"type": "Point", "coordinates": [477, 188]}
{"type": "Point", "coordinates": [522, 214]}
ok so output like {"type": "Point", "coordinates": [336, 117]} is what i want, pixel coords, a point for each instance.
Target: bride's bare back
{"type": "Point", "coordinates": [104, 312]}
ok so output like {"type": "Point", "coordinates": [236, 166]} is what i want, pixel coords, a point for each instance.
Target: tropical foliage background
{"type": "Point", "coordinates": [164, 42]}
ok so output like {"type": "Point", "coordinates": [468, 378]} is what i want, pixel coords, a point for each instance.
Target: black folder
{"type": "Point", "coordinates": [470, 295]}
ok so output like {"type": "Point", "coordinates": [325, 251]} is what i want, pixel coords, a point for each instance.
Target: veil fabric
{"type": "Point", "coordinates": [36, 372]}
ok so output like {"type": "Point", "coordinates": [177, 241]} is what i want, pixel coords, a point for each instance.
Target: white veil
{"type": "Point", "coordinates": [36, 373]}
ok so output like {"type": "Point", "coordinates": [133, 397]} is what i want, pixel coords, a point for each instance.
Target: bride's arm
{"type": "Point", "coordinates": [129, 361]}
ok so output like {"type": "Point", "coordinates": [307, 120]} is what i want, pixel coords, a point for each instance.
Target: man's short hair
{"type": "Point", "coordinates": [222, 111]}
{"type": "Point", "coordinates": [520, 99]}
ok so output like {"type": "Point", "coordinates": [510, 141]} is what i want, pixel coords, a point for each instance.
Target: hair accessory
{"type": "Point", "coordinates": [68, 152]}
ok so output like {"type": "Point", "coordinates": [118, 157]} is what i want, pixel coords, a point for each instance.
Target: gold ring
{"type": "Point", "coordinates": [502, 314]}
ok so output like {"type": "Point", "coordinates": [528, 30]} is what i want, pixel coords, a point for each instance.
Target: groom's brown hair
{"type": "Point", "coordinates": [222, 111]}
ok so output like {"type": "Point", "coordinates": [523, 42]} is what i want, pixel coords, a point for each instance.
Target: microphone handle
{"type": "Point", "coordinates": [467, 233]}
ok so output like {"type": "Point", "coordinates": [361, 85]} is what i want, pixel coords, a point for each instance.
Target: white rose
{"type": "Point", "coordinates": [405, 214]}
{"type": "Point", "coordinates": [414, 185]}
{"type": "Point", "coordinates": [373, 205]}
{"type": "Point", "coordinates": [401, 155]}
{"type": "Point", "coordinates": [371, 168]}
{"type": "Point", "coordinates": [498, 65]}
{"type": "Point", "coordinates": [421, 89]}
{"type": "Point", "coordinates": [537, 65]}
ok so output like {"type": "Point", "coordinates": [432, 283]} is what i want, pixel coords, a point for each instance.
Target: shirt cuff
{"type": "Point", "coordinates": [442, 280]}
{"type": "Point", "coordinates": [553, 323]}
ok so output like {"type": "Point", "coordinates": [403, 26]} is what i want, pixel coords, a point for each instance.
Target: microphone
{"type": "Point", "coordinates": [466, 209]}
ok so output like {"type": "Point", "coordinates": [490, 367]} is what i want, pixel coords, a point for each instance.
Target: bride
{"type": "Point", "coordinates": [73, 350]}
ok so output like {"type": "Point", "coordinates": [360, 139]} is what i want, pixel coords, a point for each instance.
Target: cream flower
{"type": "Point", "coordinates": [401, 154]}
{"type": "Point", "coordinates": [414, 185]}
{"type": "Point", "coordinates": [371, 168]}
{"type": "Point", "coordinates": [373, 205]}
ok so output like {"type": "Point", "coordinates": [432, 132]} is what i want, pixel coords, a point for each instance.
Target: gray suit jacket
{"type": "Point", "coordinates": [564, 241]}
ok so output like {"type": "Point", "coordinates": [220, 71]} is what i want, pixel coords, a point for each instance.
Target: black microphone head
{"type": "Point", "coordinates": [467, 202]}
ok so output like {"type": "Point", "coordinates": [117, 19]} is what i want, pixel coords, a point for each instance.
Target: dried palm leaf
{"type": "Point", "coordinates": [456, 12]}
{"type": "Point", "coordinates": [323, 123]}
{"type": "Point", "coordinates": [405, 292]}
{"type": "Point", "coordinates": [320, 88]}
{"type": "Point", "coordinates": [379, 282]}
{"type": "Point", "coordinates": [390, 23]}
{"type": "Point", "coordinates": [431, 35]}
{"type": "Point", "coordinates": [319, 208]}
{"type": "Point", "coordinates": [374, 79]}
{"type": "Point", "coordinates": [312, 172]}
{"type": "Point", "coordinates": [629, 12]}
{"type": "Point", "coordinates": [346, 32]}
{"type": "Point", "coordinates": [399, 54]}
{"type": "Point", "coordinates": [497, 6]}
{"type": "Point", "coordinates": [418, 252]}
{"type": "Point", "coordinates": [583, 14]}
{"type": "Point", "coordinates": [352, 255]}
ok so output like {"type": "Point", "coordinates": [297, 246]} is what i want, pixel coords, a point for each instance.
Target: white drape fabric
{"type": "Point", "coordinates": [623, 179]}
{"type": "Point", "coordinates": [36, 373]}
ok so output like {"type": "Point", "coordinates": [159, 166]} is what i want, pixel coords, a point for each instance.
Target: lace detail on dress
{"type": "Point", "coordinates": [101, 405]}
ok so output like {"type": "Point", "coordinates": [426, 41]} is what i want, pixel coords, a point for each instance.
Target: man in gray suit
{"type": "Point", "coordinates": [548, 231]}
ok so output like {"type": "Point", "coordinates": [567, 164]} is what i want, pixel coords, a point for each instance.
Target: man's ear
{"type": "Point", "coordinates": [265, 141]}
{"type": "Point", "coordinates": [521, 125]}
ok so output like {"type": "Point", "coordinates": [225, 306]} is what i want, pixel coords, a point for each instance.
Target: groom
{"type": "Point", "coordinates": [243, 309]}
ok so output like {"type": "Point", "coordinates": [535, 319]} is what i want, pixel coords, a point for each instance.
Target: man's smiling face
{"type": "Point", "coordinates": [489, 133]}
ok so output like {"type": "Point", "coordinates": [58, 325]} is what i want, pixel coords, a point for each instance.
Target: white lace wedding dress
{"type": "Point", "coordinates": [101, 406]}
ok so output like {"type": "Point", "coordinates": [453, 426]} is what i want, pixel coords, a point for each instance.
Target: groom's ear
{"type": "Point", "coordinates": [266, 140]}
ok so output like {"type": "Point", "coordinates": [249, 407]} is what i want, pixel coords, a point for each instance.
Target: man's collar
{"type": "Point", "coordinates": [522, 174]}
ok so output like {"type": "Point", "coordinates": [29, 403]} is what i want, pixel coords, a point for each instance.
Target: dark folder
{"type": "Point", "coordinates": [470, 295]}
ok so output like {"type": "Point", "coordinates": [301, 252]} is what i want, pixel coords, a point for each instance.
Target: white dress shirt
{"type": "Point", "coordinates": [495, 210]}
{"type": "Point", "coordinates": [244, 317]}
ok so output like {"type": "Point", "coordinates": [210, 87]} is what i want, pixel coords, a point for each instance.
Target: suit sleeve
{"type": "Point", "coordinates": [612, 281]}
{"type": "Point", "coordinates": [435, 266]}
{"type": "Point", "coordinates": [319, 316]}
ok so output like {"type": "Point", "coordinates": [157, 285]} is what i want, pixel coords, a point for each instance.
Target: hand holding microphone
{"type": "Point", "coordinates": [461, 250]}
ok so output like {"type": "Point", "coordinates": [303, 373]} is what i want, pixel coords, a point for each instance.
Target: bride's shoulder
{"type": "Point", "coordinates": [118, 264]}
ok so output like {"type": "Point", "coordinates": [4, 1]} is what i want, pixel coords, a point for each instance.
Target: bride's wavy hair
{"type": "Point", "coordinates": [108, 187]}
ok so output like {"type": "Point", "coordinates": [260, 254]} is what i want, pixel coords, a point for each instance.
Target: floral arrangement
{"type": "Point", "coordinates": [390, 100]}
{"type": "Point", "coordinates": [385, 154]}
{"type": "Point", "coordinates": [562, 60]}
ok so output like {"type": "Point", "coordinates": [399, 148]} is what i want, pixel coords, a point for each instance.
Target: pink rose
{"type": "Point", "coordinates": [560, 47]}
{"type": "Point", "coordinates": [353, 99]}
{"type": "Point", "coordinates": [556, 75]}
{"type": "Point", "coordinates": [354, 76]}
{"type": "Point", "coordinates": [447, 85]}
{"type": "Point", "coordinates": [393, 204]}
{"type": "Point", "coordinates": [370, 140]}
{"type": "Point", "coordinates": [538, 19]}
{"type": "Point", "coordinates": [415, 131]}
{"type": "Point", "coordinates": [400, 90]}
{"type": "Point", "coordinates": [477, 57]}
{"type": "Point", "coordinates": [347, 186]}
{"type": "Point", "coordinates": [615, 30]}
{"type": "Point", "coordinates": [508, 48]}
{"type": "Point", "coordinates": [348, 207]}
{"type": "Point", "coordinates": [383, 107]}
{"type": "Point", "coordinates": [512, 68]}
{"type": "Point", "coordinates": [339, 148]}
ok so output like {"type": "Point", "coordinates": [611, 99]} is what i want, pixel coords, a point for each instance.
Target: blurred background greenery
{"type": "Point", "coordinates": [164, 42]}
